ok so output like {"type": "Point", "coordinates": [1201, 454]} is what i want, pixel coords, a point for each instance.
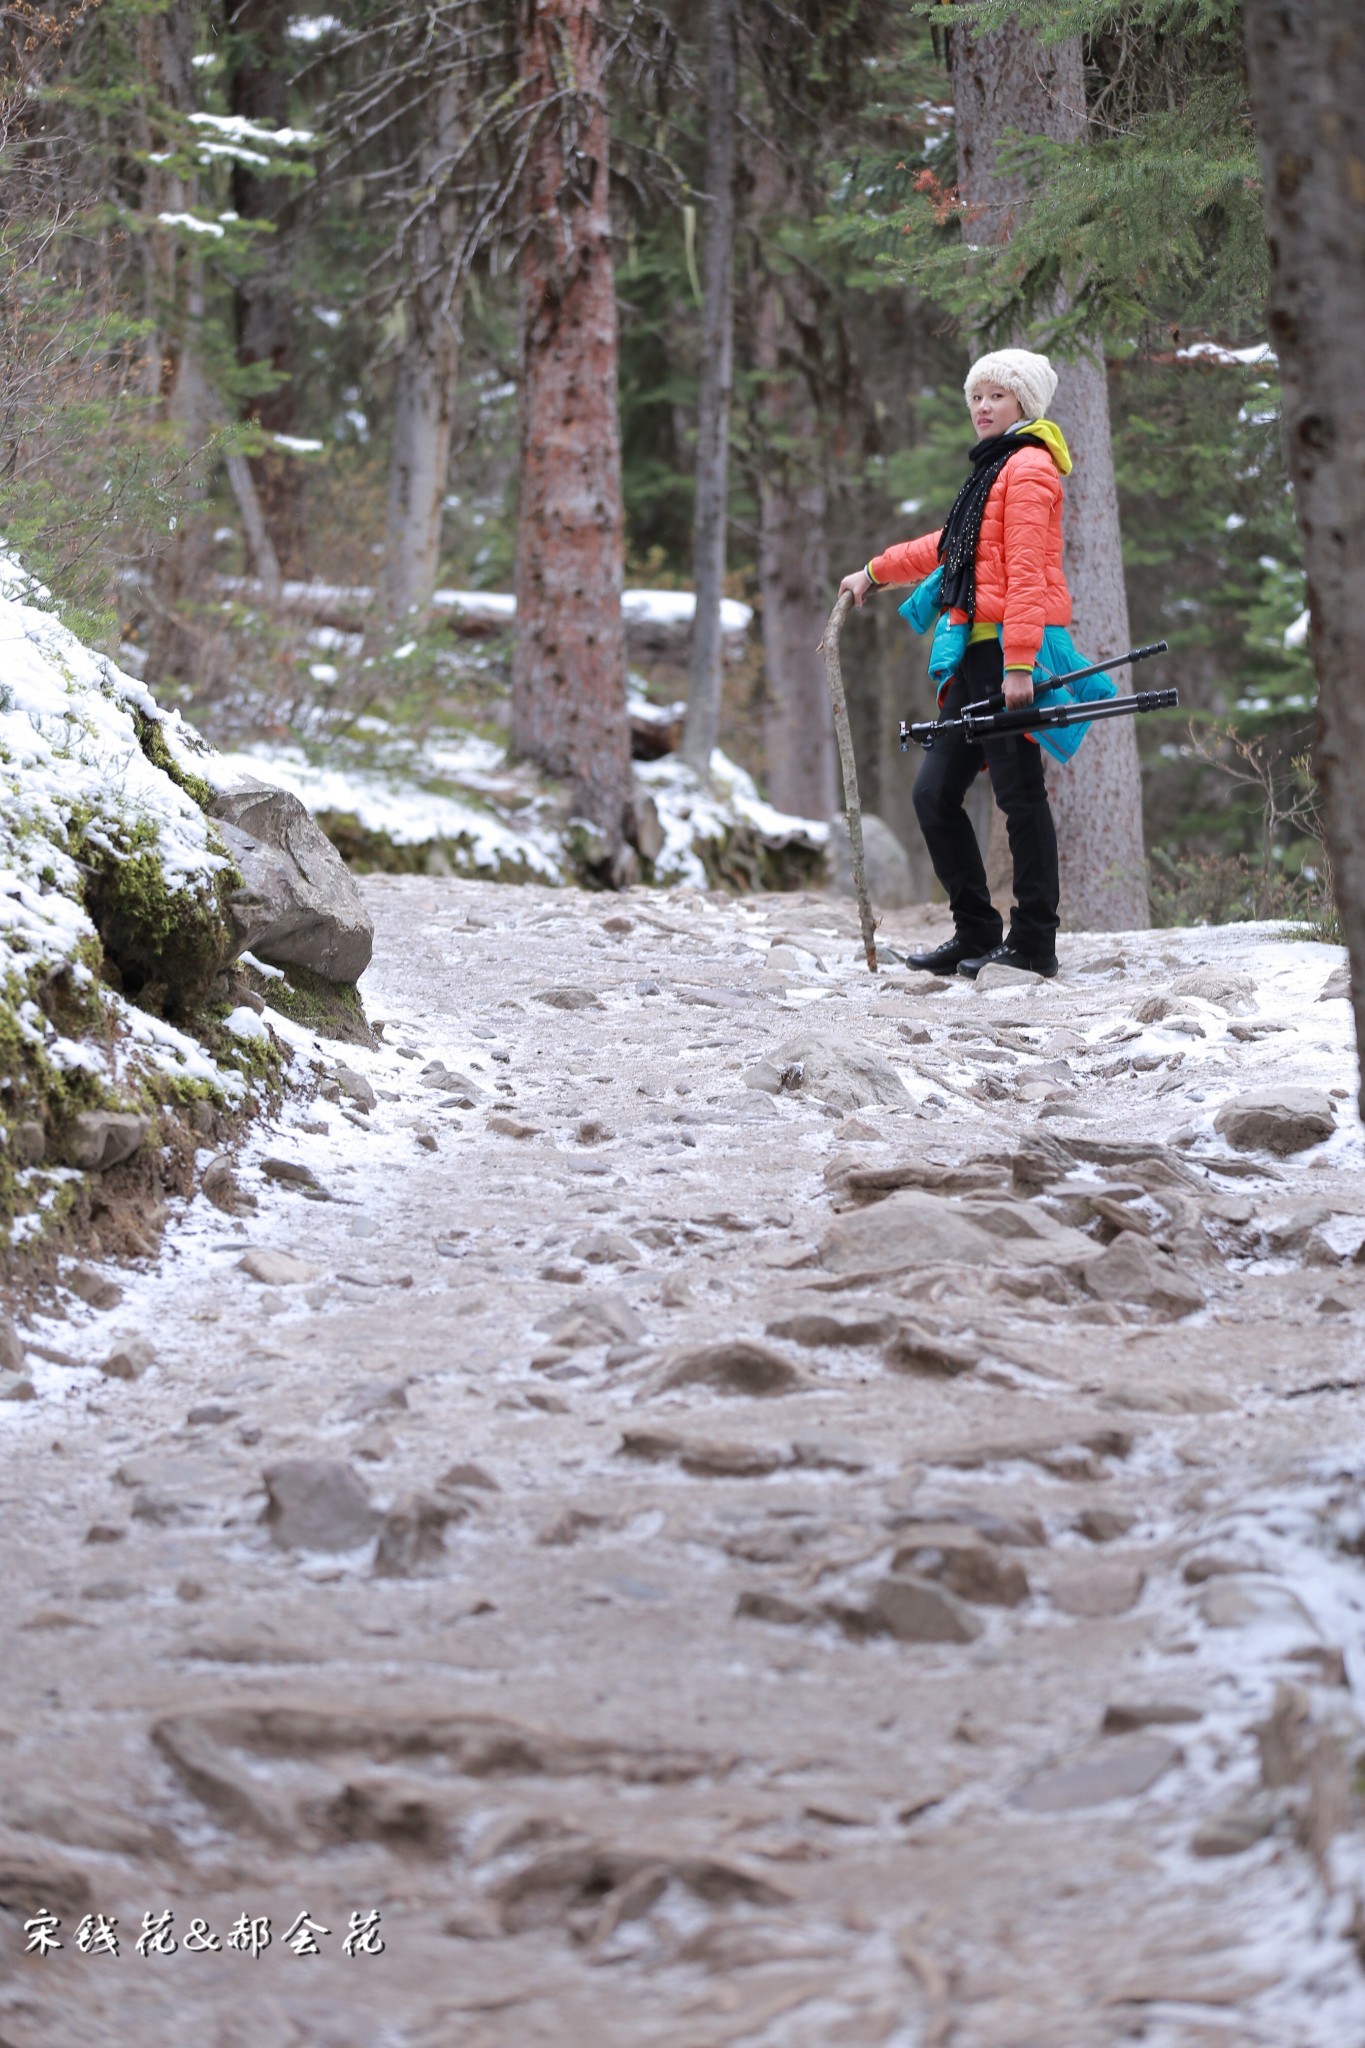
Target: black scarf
{"type": "Point", "coordinates": [962, 527]}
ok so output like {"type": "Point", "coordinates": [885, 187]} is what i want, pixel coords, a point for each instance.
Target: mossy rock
{"type": "Point", "coordinates": [162, 946]}
{"type": "Point", "coordinates": [331, 1008]}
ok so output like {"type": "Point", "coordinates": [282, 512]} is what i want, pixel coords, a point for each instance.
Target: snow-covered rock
{"type": "Point", "coordinates": [113, 915]}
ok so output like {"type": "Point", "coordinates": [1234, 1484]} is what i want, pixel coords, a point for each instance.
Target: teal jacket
{"type": "Point", "coordinates": [1056, 657]}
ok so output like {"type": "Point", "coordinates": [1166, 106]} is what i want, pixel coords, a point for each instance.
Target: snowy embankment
{"type": "Point", "coordinates": [123, 1035]}
{"type": "Point", "coordinates": [453, 804]}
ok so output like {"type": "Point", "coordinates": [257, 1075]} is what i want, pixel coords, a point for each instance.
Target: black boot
{"type": "Point", "coordinates": [945, 959]}
{"type": "Point", "coordinates": [1006, 956]}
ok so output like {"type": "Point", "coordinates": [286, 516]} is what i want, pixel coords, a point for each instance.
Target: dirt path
{"type": "Point", "coordinates": [797, 1584]}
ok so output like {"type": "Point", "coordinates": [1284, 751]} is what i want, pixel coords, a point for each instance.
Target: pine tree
{"type": "Point", "coordinates": [1307, 67]}
{"type": "Point", "coordinates": [568, 673]}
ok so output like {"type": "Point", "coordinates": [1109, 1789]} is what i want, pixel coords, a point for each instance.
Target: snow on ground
{"type": "Point", "coordinates": [620, 1756]}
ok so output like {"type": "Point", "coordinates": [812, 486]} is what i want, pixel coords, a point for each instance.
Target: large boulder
{"type": "Point", "coordinates": [890, 880]}
{"type": "Point", "coordinates": [911, 1228]}
{"type": "Point", "coordinates": [1279, 1120]}
{"type": "Point", "coordinates": [299, 906]}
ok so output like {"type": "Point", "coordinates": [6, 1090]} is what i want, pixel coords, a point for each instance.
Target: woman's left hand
{"type": "Point", "coordinates": [1018, 689]}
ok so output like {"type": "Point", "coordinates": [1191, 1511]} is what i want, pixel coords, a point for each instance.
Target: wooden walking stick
{"type": "Point", "coordinates": [829, 647]}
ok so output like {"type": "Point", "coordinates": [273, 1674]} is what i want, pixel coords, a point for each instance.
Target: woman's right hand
{"type": "Point", "coordinates": [857, 585]}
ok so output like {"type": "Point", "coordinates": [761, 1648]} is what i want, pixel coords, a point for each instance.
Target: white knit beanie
{"type": "Point", "coordinates": [1031, 378]}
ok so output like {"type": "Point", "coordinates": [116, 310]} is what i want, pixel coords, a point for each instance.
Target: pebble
{"type": "Point", "coordinates": [512, 1126]}
{"type": "Point", "coordinates": [1103, 1525]}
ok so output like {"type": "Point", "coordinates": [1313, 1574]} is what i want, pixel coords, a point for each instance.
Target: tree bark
{"type": "Point", "coordinates": [568, 669]}
{"type": "Point", "coordinates": [1010, 80]}
{"type": "Point", "coordinates": [259, 91]}
{"type": "Point", "coordinates": [793, 551]}
{"type": "Point", "coordinates": [713, 399]}
{"type": "Point", "coordinates": [1307, 67]}
{"type": "Point", "coordinates": [426, 381]}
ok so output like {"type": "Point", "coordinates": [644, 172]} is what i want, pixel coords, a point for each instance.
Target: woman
{"type": "Point", "coordinates": [1001, 551]}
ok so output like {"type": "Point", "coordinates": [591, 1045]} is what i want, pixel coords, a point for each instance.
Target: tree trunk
{"type": "Point", "coordinates": [426, 381]}
{"type": "Point", "coordinates": [259, 91]}
{"type": "Point", "coordinates": [181, 572]}
{"type": "Point", "coordinates": [569, 670]}
{"type": "Point", "coordinates": [1010, 80]}
{"type": "Point", "coordinates": [713, 398]}
{"type": "Point", "coordinates": [1307, 68]}
{"type": "Point", "coordinates": [793, 552]}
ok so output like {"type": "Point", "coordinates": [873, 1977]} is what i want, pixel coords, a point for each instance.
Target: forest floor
{"type": "Point", "coordinates": [740, 1609]}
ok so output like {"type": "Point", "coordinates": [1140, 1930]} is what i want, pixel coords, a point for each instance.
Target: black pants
{"type": "Point", "coordinates": [1016, 770]}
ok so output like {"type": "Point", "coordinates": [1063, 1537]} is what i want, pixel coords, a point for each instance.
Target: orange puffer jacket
{"type": "Point", "coordinates": [1019, 580]}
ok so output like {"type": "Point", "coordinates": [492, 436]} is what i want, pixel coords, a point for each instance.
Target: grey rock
{"type": "Point", "coordinates": [94, 1288]}
{"type": "Point", "coordinates": [289, 1173]}
{"type": "Point", "coordinates": [568, 998]}
{"type": "Point", "coordinates": [276, 1269]}
{"type": "Point", "coordinates": [28, 1142]}
{"type": "Point", "coordinates": [220, 1185]}
{"type": "Point", "coordinates": [1337, 987]}
{"type": "Point", "coordinates": [757, 1605]}
{"type": "Point", "coordinates": [704, 1457]}
{"type": "Point", "coordinates": [468, 1474]}
{"type": "Point", "coordinates": [1133, 1269]}
{"type": "Point", "coordinates": [299, 906]}
{"type": "Point", "coordinates": [816, 1327]}
{"type": "Point", "coordinates": [1097, 1589]}
{"type": "Point", "coordinates": [355, 1087]}
{"type": "Point", "coordinates": [832, 1454]}
{"type": "Point", "coordinates": [914, 1228]}
{"type": "Point", "coordinates": [1127, 1716]}
{"type": "Point", "coordinates": [913, 1349]}
{"type": "Point", "coordinates": [97, 1139]}
{"type": "Point", "coordinates": [956, 1558]}
{"type": "Point", "coordinates": [1103, 1525]}
{"type": "Point", "coordinates": [317, 1504]}
{"type": "Point", "coordinates": [11, 1350]}
{"type": "Point", "coordinates": [606, 1248]}
{"type": "Point", "coordinates": [1243, 1602]}
{"type": "Point", "coordinates": [843, 1077]}
{"type": "Point", "coordinates": [1235, 992]}
{"type": "Point", "coordinates": [890, 880]}
{"type": "Point", "coordinates": [734, 1365]}
{"type": "Point", "coordinates": [1117, 1770]}
{"type": "Point", "coordinates": [129, 1359]}
{"type": "Point", "coordinates": [996, 975]}
{"type": "Point", "coordinates": [19, 1390]}
{"type": "Point", "coordinates": [593, 1319]}
{"type": "Point", "coordinates": [913, 1610]}
{"type": "Point", "coordinates": [412, 1536]}
{"type": "Point", "coordinates": [1239, 1829]}
{"type": "Point", "coordinates": [1278, 1120]}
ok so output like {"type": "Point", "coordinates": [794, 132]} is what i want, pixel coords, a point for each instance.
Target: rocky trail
{"type": "Point", "coordinates": [727, 1500]}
